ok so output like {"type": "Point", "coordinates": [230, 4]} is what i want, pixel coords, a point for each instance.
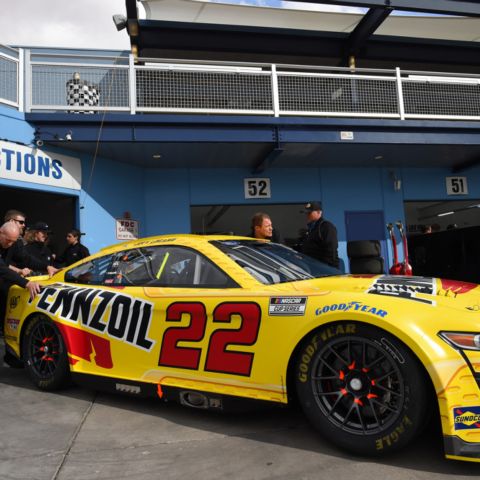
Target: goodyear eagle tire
{"type": "Point", "coordinates": [45, 355]}
{"type": "Point", "coordinates": [361, 388]}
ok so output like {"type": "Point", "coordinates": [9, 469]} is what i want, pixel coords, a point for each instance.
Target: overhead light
{"type": "Point", "coordinates": [156, 156]}
{"type": "Point", "coordinates": [444, 214]}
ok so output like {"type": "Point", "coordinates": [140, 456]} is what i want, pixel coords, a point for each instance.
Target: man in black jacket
{"type": "Point", "coordinates": [75, 250]}
{"type": "Point", "coordinates": [321, 241]}
{"type": "Point", "coordinates": [9, 233]}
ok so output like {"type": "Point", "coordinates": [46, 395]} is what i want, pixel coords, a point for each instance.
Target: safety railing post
{"type": "Point", "coordinates": [401, 105]}
{"type": "Point", "coordinates": [275, 94]}
{"type": "Point", "coordinates": [27, 88]}
{"type": "Point", "coordinates": [132, 84]}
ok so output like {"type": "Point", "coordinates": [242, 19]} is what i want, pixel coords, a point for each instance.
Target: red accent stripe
{"type": "Point", "coordinates": [82, 344]}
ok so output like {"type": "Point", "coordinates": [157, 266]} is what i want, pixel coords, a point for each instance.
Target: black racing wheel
{"type": "Point", "coordinates": [361, 388]}
{"type": "Point", "coordinates": [44, 354]}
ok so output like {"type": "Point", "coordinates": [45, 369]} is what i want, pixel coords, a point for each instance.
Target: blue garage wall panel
{"type": "Point", "coordinates": [14, 128]}
{"type": "Point", "coordinates": [429, 183]}
{"type": "Point", "coordinates": [167, 201]}
{"type": "Point", "coordinates": [114, 188]}
{"type": "Point", "coordinates": [225, 186]}
{"type": "Point", "coordinates": [353, 189]}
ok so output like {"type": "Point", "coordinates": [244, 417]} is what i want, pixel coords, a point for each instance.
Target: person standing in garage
{"type": "Point", "coordinates": [75, 250]}
{"type": "Point", "coordinates": [37, 239]}
{"type": "Point", "coordinates": [321, 241]}
{"type": "Point", "coordinates": [9, 234]}
{"type": "Point", "coordinates": [16, 257]}
{"type": "Point", "coordinates": [262, 228]}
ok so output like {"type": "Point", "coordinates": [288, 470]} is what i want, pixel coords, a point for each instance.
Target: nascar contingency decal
{"type": "Point", "coordinates": [354, 306]}
{"type": "Point", "coordinates": [287, 305]}
{"type": "Point", "coordinates": [466, 418]}
{"type": "Point", "coordinates": [405, 287]}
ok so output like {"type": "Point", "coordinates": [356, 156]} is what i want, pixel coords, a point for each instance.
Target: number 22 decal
{"type": "Point", "coordinates": [218, 359]}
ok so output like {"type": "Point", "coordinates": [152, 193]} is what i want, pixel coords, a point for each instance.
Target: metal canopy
{"type": "Point", "coordinates": [192, 39]}
{"type": "Point", "coordinates": [444, 7]}
{"type": "Point", "coordinates": [257, 144]}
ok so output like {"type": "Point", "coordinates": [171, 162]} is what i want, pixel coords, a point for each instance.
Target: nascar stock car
{"type": "Point", "coordinates": [205, 320]}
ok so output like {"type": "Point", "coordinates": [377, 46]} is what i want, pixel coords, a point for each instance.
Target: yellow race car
{"type": "Point", "coordinates": [211, 320]}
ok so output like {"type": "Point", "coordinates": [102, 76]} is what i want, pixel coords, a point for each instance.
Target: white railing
{"type": "Point", "coordinates": [92, 84]}
{"type": "Point", "coordinates": [11, 78]}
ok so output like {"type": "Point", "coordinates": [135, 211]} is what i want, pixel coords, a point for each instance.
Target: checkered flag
{"type": "Point", "coordinates": [82, 94]}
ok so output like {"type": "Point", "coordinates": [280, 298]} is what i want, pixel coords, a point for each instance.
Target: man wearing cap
{"type": "Point", "coordinates": [321, 241]}
{"type": "Point", "coordinates": [17, 258]}
{"type": "Point", "coordinates": [9, 233]}
{"type": "Point", "coordinates": [37, 237]}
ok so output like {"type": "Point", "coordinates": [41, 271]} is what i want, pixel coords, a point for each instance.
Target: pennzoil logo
{"type": "Point", "coordinates": [466, 418]}
{"type": "Point", "coordinates": [117, 315]}
{"type": "Point", "coordinates": [14, 302]}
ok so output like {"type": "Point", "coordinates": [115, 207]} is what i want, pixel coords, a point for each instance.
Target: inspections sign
{"type": "Point", "coordinates": [29, 164]}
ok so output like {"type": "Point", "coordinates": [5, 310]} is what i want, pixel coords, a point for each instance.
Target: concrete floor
{"type": "Point", "coordinates": [79, 434]}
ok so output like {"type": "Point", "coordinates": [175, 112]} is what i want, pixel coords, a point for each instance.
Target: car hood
{"type": "Point", "coordinates": [427, 290]}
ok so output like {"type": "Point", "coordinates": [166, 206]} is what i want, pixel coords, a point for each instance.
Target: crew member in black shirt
{"type": "Point", "coordinates": [9, 233]}
{"type": "Point", "coordinates": [321, 241]}
{"type": "Point", "coordinates": [37, 237]}
{"type": "Point", "coordinates": [75, 250]}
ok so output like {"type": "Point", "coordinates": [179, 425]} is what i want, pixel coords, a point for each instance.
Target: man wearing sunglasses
{"type": "Point", "coordinates": [16, 256]}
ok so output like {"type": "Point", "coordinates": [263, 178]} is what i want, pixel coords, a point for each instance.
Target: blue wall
{"type": "Point", "coordinates": [160, 199]}
{"type": "Point", "coordinates": [108, 188]}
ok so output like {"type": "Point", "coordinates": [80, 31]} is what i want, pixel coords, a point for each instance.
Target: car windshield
{"type": "Point", "coordinates": [271, 263]}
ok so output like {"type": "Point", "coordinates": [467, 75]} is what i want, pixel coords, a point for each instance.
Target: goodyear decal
{"type": "Point", "coordinates": [404, 287]}
{"type": "Point", "coordinates": [115, 314]}
{"type": "Point", "coordinates": [355, 306]}
{"type": "Point", "coordinates": [466, 418]}
{"type": "Point", "coordinates": [287, 306]}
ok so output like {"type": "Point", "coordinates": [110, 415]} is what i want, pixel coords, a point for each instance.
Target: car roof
{"type": "Point", "coordinates": [186, 239]}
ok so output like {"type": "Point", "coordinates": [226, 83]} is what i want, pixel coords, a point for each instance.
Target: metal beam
{"type": "Point", "coordinates": [266, 162]}
{"type": "Point", "coordinates": [469, 8]}
{"type": "Point", "coordinates": [365, 28]}
{"type": "Point", "coordinates": [243, 43]}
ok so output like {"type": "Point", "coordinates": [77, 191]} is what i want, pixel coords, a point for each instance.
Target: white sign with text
{"type": "Point", "coordinates": [31, 164]}
{"type": "Point", "coordinates": [127, 229]}
{"type": "Point", "coordinates": [457, 186]}
{"type": "Point", "coordinates": [257, 187]}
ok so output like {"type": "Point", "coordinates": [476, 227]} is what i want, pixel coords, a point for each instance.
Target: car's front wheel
{"type": "Point", "coordinates": [361, 388]}
{"type": "Point", "coordinates": [44, 354]}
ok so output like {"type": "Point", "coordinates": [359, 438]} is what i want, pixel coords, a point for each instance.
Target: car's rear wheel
{"type": "Point", "coordinates": [45, 355]}
{"type": "Point", "coordinates": [361, 388]}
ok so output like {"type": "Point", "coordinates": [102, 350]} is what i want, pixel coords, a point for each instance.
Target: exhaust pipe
{"type": "Point", "coordinates": [194, 399]}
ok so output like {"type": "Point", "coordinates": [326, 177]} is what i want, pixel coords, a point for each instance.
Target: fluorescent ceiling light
{"type": "Point", "coordinates": [444, 214]}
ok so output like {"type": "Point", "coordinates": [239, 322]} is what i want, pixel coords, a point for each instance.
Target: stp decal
{"type": "Point", "coordinates": [287, 306]}
{"type": "Point", "coordinates": [118, 315]}
{"type": "Point", "coordinates": [404, 287]}
{"type": "Point", "coordinates": [466, 418]}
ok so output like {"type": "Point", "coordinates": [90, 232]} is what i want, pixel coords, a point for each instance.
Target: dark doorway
{"type": "Point", "coordinates": [235, 219]}
{"type": "Point", "coordinates": [59, 211]}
